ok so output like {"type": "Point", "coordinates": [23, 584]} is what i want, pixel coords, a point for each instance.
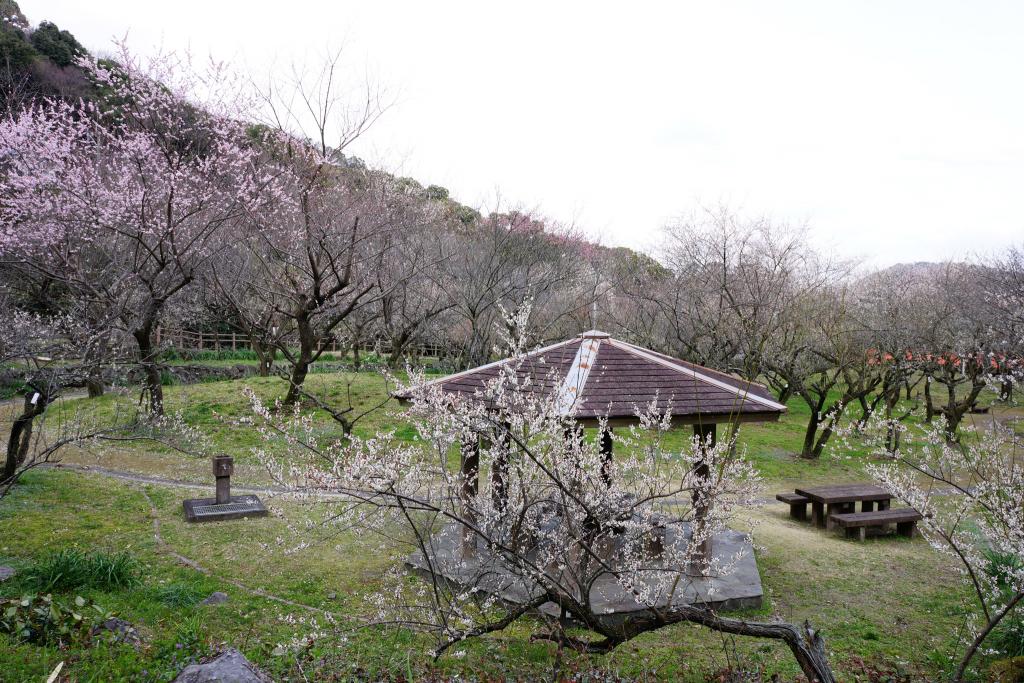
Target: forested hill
{"type": "Point", "coordinates": [37, 62]}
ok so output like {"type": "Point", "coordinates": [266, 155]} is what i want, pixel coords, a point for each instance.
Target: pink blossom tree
{"type": "Point", "coordinates": [123, 200]}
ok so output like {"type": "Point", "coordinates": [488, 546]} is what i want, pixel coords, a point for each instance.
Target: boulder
{"type": "Point", "coordinates": [230, 666]}
{"type": "Point", "coordinates": [6, 573]}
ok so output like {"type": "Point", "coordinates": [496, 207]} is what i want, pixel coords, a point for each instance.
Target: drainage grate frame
{"type": "Point", "coordinates": [207, 509]}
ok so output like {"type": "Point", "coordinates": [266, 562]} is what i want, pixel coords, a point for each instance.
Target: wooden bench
{"type": "Point", "coordinates": [797, 504]}
{"type": "Point", "coordinates": [857, 523]}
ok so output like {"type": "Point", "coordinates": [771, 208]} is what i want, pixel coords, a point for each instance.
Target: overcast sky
{"type": "Point", "coordinates": [895, 130]}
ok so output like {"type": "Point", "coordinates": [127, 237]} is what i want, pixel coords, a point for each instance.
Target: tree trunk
{"type": "Point", "coordinates": [264, 355]}
{"type": "Point", "coordinates": [1006, 390]}
{"type": "Point", "coordinates": [20, 439]}
{"type": "Point", "coordinates": [398, 346]}
{"type": "Point", "coordinates": [810, 434]}
{"type": "Point", "coordinates": [806, 644]}
{"type": "Point", "coordinates": [300, 367]}
{"type": "Point", "coordinates": [148, 359]}
{"type": "Point", "coordinates": [929, 406]}
{"type": "Point", "coordinates": [94, 383]}
{"type": "Point", "coordinates": [94, 376]}
{"type": "Point", "coordinates": [823, 438]}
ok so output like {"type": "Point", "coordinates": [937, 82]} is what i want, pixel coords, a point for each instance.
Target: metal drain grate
{"type": "Point", "coordinates": [200, 510]}
{"type": "Point", "coordinates": [207, 509]}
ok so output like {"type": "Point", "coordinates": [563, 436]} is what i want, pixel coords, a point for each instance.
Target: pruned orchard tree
{"type": "Point", "coordinates": [971, 494]}
{"type": "Point", "coordinates": [891, 308]}
{"type": "Point", "coordinates": [230, 294]}
{"type": "Point", "coordinates": [123, 201]}
{"type": "Point", "coordinates": [958, 353]}
{"type": "Point", "coordinates": [733, 283]}
{"type": "Point", "coordinates": [624, 307]}
{"type": "Point", "coordinates": [822, 355]}
{"type": "Point", "coordinates": [313, 255]}
{"type": "Point", "coordinates": [313, 260]}
{"type": "Point", "coordinates": [499, 263]}
{"type": "Point", "coordinates": [411, 283]}
{"type": "Point", "coordinates": [45, 353]}
{"type": "Point", "coordinates": [553, 519]}
{"type": "Point", "coordinates": [1003, 283]}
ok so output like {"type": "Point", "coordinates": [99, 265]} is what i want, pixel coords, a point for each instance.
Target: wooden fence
{"type": "Point", "coordinates": [233, 341]}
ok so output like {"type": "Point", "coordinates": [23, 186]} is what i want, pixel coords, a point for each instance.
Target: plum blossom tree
{"type": "Point", "coordinates": [555, 523]}
{"type": "Point", "coordinates": [821, 354]}
{"type": "Point", "coordinates": [123, 200]}
{"type": "Point", "coordinates": [307, 262]}
{"type": "Point", "coordinates": [971, 494]}
{"type": "Point", "coordinates": [502, 261]}
{"type": "Point", "coordinates": [45, 352]}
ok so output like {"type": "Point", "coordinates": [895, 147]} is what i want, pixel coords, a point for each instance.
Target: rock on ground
{"type": "Point", "coordinates": [231, 666]}
{"type": "Point", "coordinates": [122, 630]}
{"type": "Point", "coordinates": [216, 598]}
{"type": "Point", "coordinates": [6, 573]}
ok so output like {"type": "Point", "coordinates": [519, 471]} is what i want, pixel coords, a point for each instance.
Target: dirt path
{"type": "Point", "coordinates": [158, 481]}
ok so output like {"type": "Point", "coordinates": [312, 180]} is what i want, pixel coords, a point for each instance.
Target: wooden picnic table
{"type": "Point", "coordinates": [843, 498]}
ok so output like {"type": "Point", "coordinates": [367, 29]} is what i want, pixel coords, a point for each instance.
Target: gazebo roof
{"type": "Point", "coordinates": [597, 376]}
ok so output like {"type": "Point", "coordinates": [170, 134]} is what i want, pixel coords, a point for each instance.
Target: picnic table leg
{"type": "Point", "coordinates": [906, 529]}
{"type": "Point", "coordinates": [860, 532]}
{"type": "Point", "coordinates": [828, 515]}
{"type": "Point", "coordinates": [883, 505]}
{"type": "Point", "coordinates": [798, 511]}
{"type": "Point", "coordinates": [867, 506]}
{"type": "Point", "coordinates": [818, 514]}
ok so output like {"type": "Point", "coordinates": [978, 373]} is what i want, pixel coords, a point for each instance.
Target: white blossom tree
{"type": "Point", "coordinates": [556, 529]}
{"type": "Point", "coordinates": [971, 494]}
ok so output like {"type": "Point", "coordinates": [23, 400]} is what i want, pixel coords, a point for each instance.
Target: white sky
{"type": "Point", "coordinates": [895, 130]}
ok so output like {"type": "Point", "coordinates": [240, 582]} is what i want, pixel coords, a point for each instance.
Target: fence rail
{"type": "Point", "coordinates": [233, 341]}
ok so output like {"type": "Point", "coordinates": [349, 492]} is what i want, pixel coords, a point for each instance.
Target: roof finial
{"type": "Point", "coordinates": [595, 334]}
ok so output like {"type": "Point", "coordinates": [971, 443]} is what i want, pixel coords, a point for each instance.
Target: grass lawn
{"type": "Point", "coordinates": [889, 603]}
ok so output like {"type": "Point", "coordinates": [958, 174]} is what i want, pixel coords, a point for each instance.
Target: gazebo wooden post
{"type": "Point", "coordinates": [574, 439]}
{"type": "Point", "coordinates": [469, 453]}
{"type": "Point", "coordinates": [607, 446]}
{"type": "Point", "coordinates": [469, 461]}
{"type": "Point", "coordinates": [499, 466]}
{"type": "Point", "coordinates": [707, 435]}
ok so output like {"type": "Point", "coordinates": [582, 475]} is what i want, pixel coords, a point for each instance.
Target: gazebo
{"type": "Point", "coordinates": [600, 381]}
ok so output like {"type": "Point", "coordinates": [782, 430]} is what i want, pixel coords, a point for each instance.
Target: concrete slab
{"type": "Point", "coordinates": [735, 589]}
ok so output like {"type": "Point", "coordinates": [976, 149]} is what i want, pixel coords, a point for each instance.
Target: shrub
{"type": "Point", "coordinates": [1007, 671]}
{"type": "Point", "coordinates": [1008, 637]}
{"type": "Point", "coordinates": [69, 569]}
{"type": "Point", "coordinates": [176, 354]}
{"type": "Point", "coordinates": [42, 620]}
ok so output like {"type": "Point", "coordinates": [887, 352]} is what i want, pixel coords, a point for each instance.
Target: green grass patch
{"type": "Point", "coordinates": [71, 569]}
